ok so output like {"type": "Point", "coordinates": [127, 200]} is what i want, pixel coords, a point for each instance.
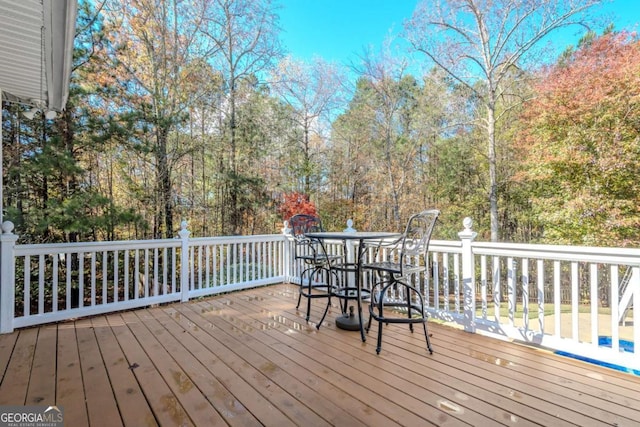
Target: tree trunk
{"type": "Point", "coordinates": [307, 159]}
{"type": "Point", "coordinates": [493, 180]}
{"type": "Point", "coordinates": [164, 183]}
{"type": "Point", "coordinates": [233, 183]}
{"type": "Point", "coordinates": [395, 207]}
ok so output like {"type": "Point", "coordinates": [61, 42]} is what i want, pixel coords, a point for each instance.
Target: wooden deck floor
{"type": "Point", "coordinates": [248, 358]}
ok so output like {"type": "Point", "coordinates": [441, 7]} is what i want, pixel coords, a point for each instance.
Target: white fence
{"type": "Point", "coordinates": [576, 300]}
{"type": "Point", "coordinates": [52, 282]}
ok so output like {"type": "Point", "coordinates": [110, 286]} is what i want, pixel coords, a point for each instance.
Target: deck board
{"type": "Point", "coordinates": [249, 358]}
{"type": "Point", "coordinates": [539, 375]}
{"type": "Point", "coordinates": [98, 391]}
{"type": "Point", "coordinates": [295, 379]}
{"type": "Point", "coordinates": [42, 385]}
{"type": "Point", "coordinates": [69, 385]}
{"type": "Point", "coordinates": [368, 381]}
{"type": "Point", "coordinates": [431, 385]}
{"type": "Point", "coordinates": [536, 376]}
{"type": "Point", "coordinates": [13, 390]}
{"type": "Point", "coordinates": [224, 383]}
{"type": "Point", "coordinates": [160, 400]}
{"type": "Point", "coordinates": [251, 366]}
{"type": "Point", "coordinates": [127, 392]}
{"type": "Point", "coordinates": [7, 344]}
{"type": "Point", "coordinates": [193, 380]}
{"type": "Point", "coordinates": [408, 356]}
{"type": "Point", "coordinates": [153, 341]}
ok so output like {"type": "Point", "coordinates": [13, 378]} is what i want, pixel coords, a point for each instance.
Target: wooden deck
{"type": "Point", "coordinates": [249, 358]}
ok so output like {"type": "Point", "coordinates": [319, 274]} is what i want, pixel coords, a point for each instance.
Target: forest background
{"type": "Point", "coordinates": [191, 110]}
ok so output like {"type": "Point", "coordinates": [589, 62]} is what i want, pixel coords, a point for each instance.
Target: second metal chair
{"type": "Point", "coordinates": [396, 296]}
{"type": "Point", "coordinates": [317, 278]}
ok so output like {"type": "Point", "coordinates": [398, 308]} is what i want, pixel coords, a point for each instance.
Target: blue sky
{"type": "Point", "coordinates": [338, 30]}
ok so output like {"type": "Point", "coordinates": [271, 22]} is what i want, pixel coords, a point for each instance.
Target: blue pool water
{"type": "Point", "coordinates": [605, 342]}
{"type": "Point", "coordinates": [624, 344]}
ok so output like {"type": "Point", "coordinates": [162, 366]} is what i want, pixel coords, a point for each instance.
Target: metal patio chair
{"type": "Point", "coordinates": [317, 278]}
{"type": "Point", "coordinates": [396, 296]}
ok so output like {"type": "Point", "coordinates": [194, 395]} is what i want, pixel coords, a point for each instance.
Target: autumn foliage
{"type": "Point", "coordinates": [296, 203]}
{"type": "Point", "coordinates": [580, 145]}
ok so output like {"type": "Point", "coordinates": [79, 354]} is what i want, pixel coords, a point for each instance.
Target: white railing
{"type": "Point", "coordinates": [566, 298]}
{"type": "Point", "coordinates": [576, 300]}
{"type": "Point", "coordinates": [225, 264]}
{"type": "Point", "coordinates": [52, 282]}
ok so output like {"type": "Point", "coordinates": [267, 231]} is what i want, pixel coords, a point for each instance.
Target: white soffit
{"type": "Point", "coordinates": [36, 51]}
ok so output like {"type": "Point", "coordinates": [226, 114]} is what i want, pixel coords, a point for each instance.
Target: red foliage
{"type": "Point", "coordinates": [296, 203]}
{"type": "Point", "coordinates": [587, 106]}
{"type": "Point", "coordinates": [596, 73]}
{"type": "Point", "coordinates": [580, 142]}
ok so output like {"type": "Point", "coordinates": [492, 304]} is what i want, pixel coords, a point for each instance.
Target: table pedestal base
{"type": "Point", "coordinates": [348, 321]}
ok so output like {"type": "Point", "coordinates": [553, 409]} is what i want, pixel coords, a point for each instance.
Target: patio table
{"type": "Point", "coordinates": [347, 320]}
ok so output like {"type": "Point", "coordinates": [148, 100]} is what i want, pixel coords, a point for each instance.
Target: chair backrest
{"type": "Point", "coordinates": [418, 234]}
{"type": "Point", "coordinates": [300, 224]}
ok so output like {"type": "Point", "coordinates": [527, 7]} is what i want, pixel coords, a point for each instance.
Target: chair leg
{"type": "Point", "coordinates": [360, 322]}
{"type": "Point", "coordinates": [426, 335]}
{"type": "Point", "coordinates": [424, 322]}
{"type": "Point", "coordinates": [379, 345]}
{"type": "Point", "coordinates": [326, 309]}
{"type": "Point", "coordinates": [408, 296]}
{"type": "Point", "coordinates": [371, 307]}
{"type": "Point", "coordinates": [329, 292]}
{"type": "Point", "coordinates": [380, 307]}
{"type": "Point", "coordinates": [309, 291]}
{"type": "Point", "coordinates": [309, 297]}
{"type": "Point", "coordinates": [302, 286]}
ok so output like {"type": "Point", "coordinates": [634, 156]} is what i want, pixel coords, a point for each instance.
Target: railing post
{"type": "Point", "coordinates": [184, 261]}
{"type": "Point", "coordinates": [350, 228]}
{"type": "Point", "coordinates": [287, 255]}
{"type": "Point", "coordinates": [350, 246]}
{"type": "Point", "coordinates": [7, 277]}
{"type": "Point", "coordinates": [468, 275]}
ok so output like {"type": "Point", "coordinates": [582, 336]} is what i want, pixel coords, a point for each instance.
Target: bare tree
{"type": "Point", "coordinates": [483, 45]}
{"type": "Point", "coordinates": [390, 91]}
{"type": "Point", "coordinates": [155, 62]}
{"type": "Point", "coordinates": [245, 34]}
{"type": "Point", "coordinates": [313, 91]}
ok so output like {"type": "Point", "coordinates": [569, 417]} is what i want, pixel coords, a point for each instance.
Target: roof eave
{"type": "Point", "coordinates": [60, 34]}
{"type": "Point", "coordinates": [34, 33]}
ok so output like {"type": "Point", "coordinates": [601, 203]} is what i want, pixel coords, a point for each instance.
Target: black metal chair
{"type": "Point", "coordinates": [396, 296]}
{"type": "Point", "coordinates": [317, 278]}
